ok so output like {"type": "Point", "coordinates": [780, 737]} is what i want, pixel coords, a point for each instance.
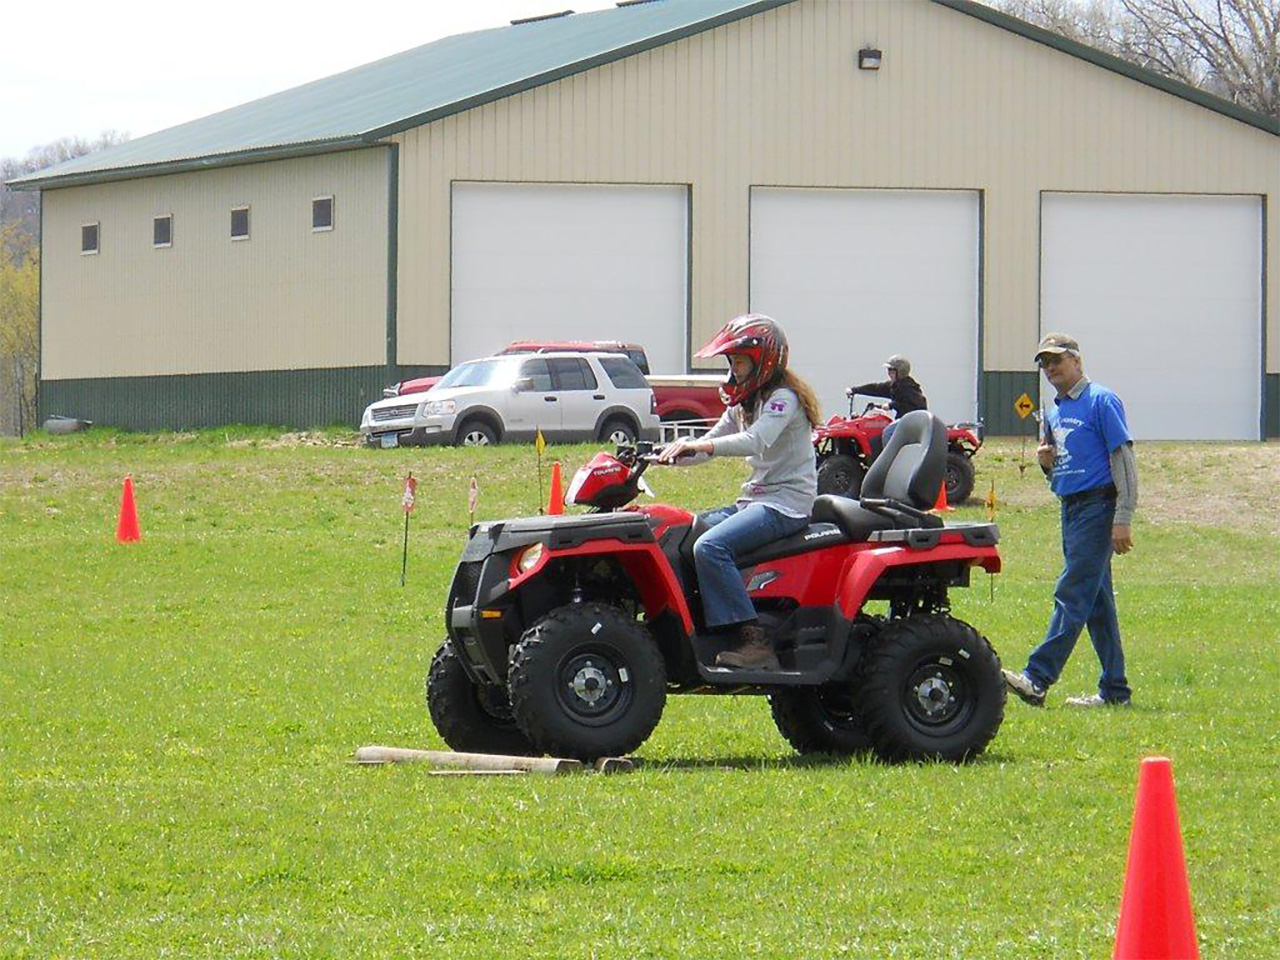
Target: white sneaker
{"type": "Point", "coordinates": [1095, 700]}
{"type": "Point", "coordinates": [1024, 687]}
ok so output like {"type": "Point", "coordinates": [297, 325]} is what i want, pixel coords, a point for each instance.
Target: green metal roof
{"type": "Point", "coordinates": [363, 105]}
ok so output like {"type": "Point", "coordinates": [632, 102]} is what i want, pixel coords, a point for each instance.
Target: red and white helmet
{"type": "Point", "coordinates": [756, 336]}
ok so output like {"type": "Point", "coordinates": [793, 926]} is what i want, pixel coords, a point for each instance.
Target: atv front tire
{"type": "Point", "coordinates": [820, 719]}
{"type": "Point", "coordinates": [959, 477]}
{"type": "Point", "coordinates": [841, 475]}
{"type": "Point", "coordinates": [587, 681]}
{"type": "Point", "coordinates": [472, 718]}
{"type": "Point", "coordinates": [931, 689]}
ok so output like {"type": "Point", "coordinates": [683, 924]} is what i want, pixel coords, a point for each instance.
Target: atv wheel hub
{"type": "Point", "coordinates": [935, 695]}
{"type": "Point", "coordinates": [592, 687]}
{"type": "Point", "coordinates": [590, 683]}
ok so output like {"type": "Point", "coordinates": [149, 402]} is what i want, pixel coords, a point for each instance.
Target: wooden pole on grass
{"type": "Point", "coordinates": [467, 761]}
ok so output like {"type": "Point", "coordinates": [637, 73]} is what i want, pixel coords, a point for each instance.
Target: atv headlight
{"type": "Point", "coordinates": [529, 559]}
{"type": "Point", "coordinates": [435, 407]}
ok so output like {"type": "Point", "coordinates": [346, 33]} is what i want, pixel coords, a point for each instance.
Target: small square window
{"type": "Point", "coordinates": [162, 231]}
{"type": "Point", "coordinates": [321, 214]}
{"type": "Point", "coordinates": [88, 238]}
{"type": "Point", "coordinates": [239, 223]}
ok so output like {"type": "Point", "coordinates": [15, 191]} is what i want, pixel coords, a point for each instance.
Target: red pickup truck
{"type": "Point", "coordinates": [679, 396]}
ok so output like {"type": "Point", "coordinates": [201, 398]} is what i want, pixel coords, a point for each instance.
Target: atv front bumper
{"type": "Point", "coordinates": [484, 616]}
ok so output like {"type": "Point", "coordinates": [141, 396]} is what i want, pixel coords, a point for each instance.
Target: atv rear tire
{"type": "Point", "coordinates": [931, 689]}
{"type": "Point", "coordinates": [841, 475]}
{"type": "Point", "coordinates": [471, 718]}
{"type": "Point", "coordinates": [959, 477]}
{"type": "Point", "coordinates": [820, 719]}
{"type": "Point", "coordinates": [587, 681]}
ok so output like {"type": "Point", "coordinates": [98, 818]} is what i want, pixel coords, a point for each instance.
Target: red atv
{"type": "Point", "coordinates": [847, 446]}
{"type": "Point", "coordinates": [566, 633]}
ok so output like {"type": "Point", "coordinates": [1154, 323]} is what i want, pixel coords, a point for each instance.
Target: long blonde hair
{"type": "Point", "coordinates": [797, 385]}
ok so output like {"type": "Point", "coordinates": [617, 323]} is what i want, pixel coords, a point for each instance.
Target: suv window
{"type": "Point", "coordinates": [572, 373]}
{"type": "Point", "coordinates": [478, 373]}
{"type": "Point", "coordinates": [539, 373]}
{"type": "Point", "coordinates": [639, 359]}
{"type": "Point", "coordinates": [624, 373]}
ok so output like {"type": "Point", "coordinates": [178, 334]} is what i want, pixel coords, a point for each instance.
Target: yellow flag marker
{"type": "Point", "coordinates": [540, 444]}
{"type": "Point", "coordinates": [992, 503]}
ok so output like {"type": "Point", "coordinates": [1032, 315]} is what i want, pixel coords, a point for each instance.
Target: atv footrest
{"type": "Point", "coordinates": [729, 677]}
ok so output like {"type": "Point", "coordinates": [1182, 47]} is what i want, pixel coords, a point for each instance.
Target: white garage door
{"type": "Point", "coordinates": [856, 275]}
{"type": "Point", "coordinates": [570, 262]}
{"type": "Point", "coordinates": [1164, 294]}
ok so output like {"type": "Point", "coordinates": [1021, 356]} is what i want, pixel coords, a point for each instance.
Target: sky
{"type": "Point", "coordinates": [139, 66]}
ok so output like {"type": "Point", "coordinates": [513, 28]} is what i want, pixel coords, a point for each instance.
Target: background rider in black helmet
{"type": "Point", "coordinates": [902, 392]}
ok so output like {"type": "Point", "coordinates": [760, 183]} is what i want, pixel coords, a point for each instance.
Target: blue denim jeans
{"type": "Point", "coordinates": [735, 531]}
{"type": "Point", "coordinates": [1084, 598]}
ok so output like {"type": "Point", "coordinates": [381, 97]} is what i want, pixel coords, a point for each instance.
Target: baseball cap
{"type": "Point", "coordinates": [1057, 343]}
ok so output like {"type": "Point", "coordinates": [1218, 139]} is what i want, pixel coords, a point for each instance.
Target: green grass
{"type": "Point", "coordinates": [176, 718]}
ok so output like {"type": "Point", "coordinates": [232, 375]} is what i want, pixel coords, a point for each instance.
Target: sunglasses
{"type": "Point", "coordinates": [1049, 360]}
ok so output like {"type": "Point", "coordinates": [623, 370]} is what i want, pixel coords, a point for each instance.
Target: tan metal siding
{"type": "Point", "coordinates": [777, 99]}
{"type": "Point", "coordinates": [285, 299]}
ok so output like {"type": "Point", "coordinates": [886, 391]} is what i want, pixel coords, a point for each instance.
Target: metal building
{"type": "Point", "coordinates": [928, 177]}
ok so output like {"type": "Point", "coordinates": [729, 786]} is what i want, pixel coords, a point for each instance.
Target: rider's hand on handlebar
{"type": "Point", "coordinates": [683, 448]}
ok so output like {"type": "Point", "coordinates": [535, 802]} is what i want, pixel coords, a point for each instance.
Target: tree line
{"type": "Point", "coordinates": [1230, 48]}
{"type": "Point", "coordinates": [20, 276]}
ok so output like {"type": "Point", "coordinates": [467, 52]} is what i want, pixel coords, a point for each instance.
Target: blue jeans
{"type": "Point", "coordinates": [1084, 598]}
{"type": "Point", "coordinates": [735, 531]}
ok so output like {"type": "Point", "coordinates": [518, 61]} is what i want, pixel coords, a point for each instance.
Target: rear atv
{"type": "Point", "coordinates": [847, 446]}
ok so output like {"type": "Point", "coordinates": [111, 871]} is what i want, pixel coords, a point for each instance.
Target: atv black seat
{"type": "Point", "coordinates": [856, 522]}
{"type": "Point", "coordinates": [914, 461]}
{"type": "Point", "coordinates": [813, 537]}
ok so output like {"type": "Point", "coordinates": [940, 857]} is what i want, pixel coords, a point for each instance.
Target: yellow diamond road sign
{"type": "Point", "coordinates": [1024, 406]}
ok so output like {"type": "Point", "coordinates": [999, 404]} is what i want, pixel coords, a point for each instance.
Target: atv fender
{"type": "Point", "coordinates": [867, 566]}
{"type": "Point", "coordinates": [644, 563]}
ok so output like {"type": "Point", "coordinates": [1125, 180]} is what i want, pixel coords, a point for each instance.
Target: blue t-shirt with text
{"type": "Point", "coordinates": [1085, 432]}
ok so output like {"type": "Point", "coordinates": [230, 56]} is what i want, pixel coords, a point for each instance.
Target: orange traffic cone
{"type": "Point", "coordinates": [1155, 914]}
{"type": "Point", "coordinates": [127, 529]}
{"type": "Point", "coordinates": [556, 506]}
{"type": "Point", "coordinates": [941, 506]}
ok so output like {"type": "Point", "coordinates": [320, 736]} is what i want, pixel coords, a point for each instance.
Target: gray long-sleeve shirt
{"type": "Point", "coordinates": [778, 446]}
{"type": "Point", "coordinates": [1124, 474]}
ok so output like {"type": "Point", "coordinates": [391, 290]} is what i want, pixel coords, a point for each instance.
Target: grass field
{"type": "Point", "coordinates": [176, 718]}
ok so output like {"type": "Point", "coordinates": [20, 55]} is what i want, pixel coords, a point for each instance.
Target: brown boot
{"type": "Point", "coordinates": [754, 652]}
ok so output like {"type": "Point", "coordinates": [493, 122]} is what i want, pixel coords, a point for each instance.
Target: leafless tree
{"type": "Point", "coordinates": [20, 277]}
{"type": "Point", "coordinates": [23, 207]}
{"type": "Point", "coordinates": [1228, 47]}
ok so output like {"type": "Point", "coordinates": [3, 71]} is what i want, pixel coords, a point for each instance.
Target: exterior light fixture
{"type": "Point", "coordinates": [869, 59]}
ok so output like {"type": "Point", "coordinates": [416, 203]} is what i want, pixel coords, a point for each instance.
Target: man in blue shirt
{"type": "Point", "coordinates": [1087, 453]}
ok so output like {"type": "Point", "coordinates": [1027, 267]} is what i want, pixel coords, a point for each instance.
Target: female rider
{"type": "Point", "coordinates": [769, 417]}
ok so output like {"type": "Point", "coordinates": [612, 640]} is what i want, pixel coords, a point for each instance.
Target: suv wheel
{"type": "Point", "coordinates": [931, 689]}
{"type": "Point", "coordinates": [473, 718]}
{"type": "Point", "coordinates": [587, 681]}
{"type": "Point", "coordinates": [476, 433]}
{"type": "Point", "coordinates": [618, 432]}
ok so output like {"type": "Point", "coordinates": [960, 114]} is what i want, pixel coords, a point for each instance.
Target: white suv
{"type": "Point", "coordinates": [569, 396]}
